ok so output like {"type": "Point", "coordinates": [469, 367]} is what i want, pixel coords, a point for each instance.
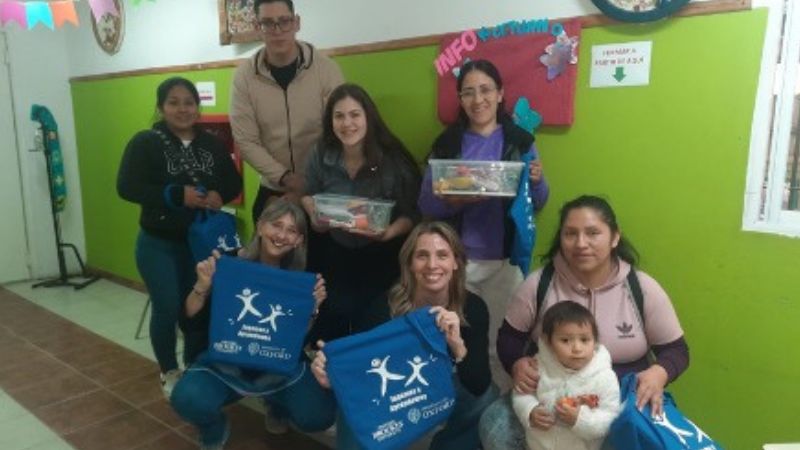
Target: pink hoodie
{"type": "Point", "coordinates": [612, 306]}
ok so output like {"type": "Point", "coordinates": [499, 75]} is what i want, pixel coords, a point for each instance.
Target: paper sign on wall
{"type": "Point", "coordinates": [208, 93]}
{"type": "Point", "coordinates": [626, 64]}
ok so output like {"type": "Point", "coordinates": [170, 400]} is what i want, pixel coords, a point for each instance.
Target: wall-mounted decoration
{"type": "Point", "coordinates": [639, 10]}
{"type": "Point", "coordinates": [237, 22]}
{"type": "Point", "coordinates": [109, 24]}
{"type": "Point", "coordinates": [516, 48]}
{"type": "Point", "coordinates": [558, 55]}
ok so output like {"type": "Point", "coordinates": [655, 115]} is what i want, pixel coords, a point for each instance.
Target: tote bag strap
{"type": "Point", "coordinates": [424, 324]}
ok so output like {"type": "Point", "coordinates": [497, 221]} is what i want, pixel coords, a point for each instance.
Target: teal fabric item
{"type": "Point", "coordinates": [50, 135]}
{"type": "Point", "coordinates": [521, 213]}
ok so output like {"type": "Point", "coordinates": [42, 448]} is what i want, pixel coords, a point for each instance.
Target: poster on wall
{"type": "Point", "coordinates": [237, 22]}
{"type": "Point", "coordinates": [617, 65]}
{"type": "Point", "coordinates": [536, 60]}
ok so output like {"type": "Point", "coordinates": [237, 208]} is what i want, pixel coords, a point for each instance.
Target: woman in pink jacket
{"type": "Point", "coordinates": [590, 263]}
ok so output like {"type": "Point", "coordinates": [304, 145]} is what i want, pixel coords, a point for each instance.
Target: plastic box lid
{"type": "Point", "coordinates": [345, 211]}
{"type": "Point", "coordinates": [482, 178]}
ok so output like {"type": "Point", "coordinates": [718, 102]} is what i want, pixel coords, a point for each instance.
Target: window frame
{"type": "Point", "coordinates": [780, 81]}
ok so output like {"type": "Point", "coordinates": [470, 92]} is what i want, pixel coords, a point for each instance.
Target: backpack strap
{"type": "Point", "coordinates": [547, 278]}
{"type": "Point", "coordinates": [543, 287]}
{"type": "Point", "coordinates": [636, 292]}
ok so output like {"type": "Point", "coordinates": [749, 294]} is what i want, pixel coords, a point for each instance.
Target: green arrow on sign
{"type": "Point", "coordinates": [619, 74]}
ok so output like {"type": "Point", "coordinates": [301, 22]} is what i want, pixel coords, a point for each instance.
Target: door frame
{"type": "Point", "coordinates": [5, 67]}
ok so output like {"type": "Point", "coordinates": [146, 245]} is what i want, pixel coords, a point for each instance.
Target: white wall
{"type": "Point", "coordinates": [39, 75]}
{"type": "Point", "coordinates": [172, 32]}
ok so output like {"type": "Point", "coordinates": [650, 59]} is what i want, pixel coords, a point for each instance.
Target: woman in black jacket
{"type": "Point", "coordinates": [173, 170]}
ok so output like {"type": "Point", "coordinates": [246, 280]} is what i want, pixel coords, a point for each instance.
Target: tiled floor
{"type": "Point", "coordinates": [72, 375]}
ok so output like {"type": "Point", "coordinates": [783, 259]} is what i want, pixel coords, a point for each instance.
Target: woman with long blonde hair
{"type": "Point", "coordinates": [432, 262]}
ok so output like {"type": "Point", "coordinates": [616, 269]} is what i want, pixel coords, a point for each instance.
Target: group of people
{"type": "Point", "coordinates": [568, 329]}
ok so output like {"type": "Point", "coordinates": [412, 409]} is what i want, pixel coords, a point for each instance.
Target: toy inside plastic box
{"type": "Point", "coordinates": [344, 211]}
{"type": "Point", "coordinates": [485, 178]}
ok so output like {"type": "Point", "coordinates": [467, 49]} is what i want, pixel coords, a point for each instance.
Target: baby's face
{"type": "Point", "coordinates": [573, 344]}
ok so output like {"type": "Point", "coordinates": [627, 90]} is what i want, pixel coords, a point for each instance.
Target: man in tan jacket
{"type": "Point", "coordinates": [277, 102]}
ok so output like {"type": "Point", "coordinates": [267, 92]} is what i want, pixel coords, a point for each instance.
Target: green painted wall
{"type": "Point", "coordinates": [670, 156]}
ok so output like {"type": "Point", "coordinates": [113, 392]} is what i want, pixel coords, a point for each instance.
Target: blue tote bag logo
{"type": "Point", "coordinates": [393, 383]}
{"type": "Point", "coordinates": [212, 230]}
{"type": "Point", "coordinates": [259, 315]}
{"type": "Point", "coordinates": [638, 430]}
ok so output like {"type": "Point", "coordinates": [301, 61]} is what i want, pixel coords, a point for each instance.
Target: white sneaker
{"type": "Point", "coordinates": [169, 380]}
{"type": "Point", "coordinates": [273, 424]}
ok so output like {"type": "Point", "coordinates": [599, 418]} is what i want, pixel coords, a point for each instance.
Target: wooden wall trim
{"type": "Point", "coordinates": [594, 20]}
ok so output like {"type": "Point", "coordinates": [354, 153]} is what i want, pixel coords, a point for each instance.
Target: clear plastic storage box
{"type": "Point", "coordinates": [487, 178]}
{"type": "Point", "coordinates": [344, 211]}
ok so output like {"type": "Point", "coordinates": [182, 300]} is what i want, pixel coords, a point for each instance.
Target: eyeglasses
{"type": "Point", "coordinates": [284, 24]}
{"type": "Point", "coordinates": [472, 93]}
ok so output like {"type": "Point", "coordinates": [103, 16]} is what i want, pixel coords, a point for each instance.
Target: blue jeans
{"type": "Point", "coordinates": [168, 271]}
{"type": "Point", "coordinates": [500, 429]}
{"type": "Point", "coordinates": [460, 432]}
{"type": "Point", "coordinates": [200, 395]}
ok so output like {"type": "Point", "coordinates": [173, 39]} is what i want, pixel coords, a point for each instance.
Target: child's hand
{"type": "Point", "coordinates": [320, 294]}
{"type": "Point", "coordinates": [567, 409]}
{"type": "Point", "coordinates": [540, 418]}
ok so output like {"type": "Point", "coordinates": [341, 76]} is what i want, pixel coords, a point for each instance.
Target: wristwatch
{"type": "Point", "coordinates": [639, 10]}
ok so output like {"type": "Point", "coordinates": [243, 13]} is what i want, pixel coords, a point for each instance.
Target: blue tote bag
{"type": "Point", "coordinates": [393, 383]}
{"type": "Point", "coordinates": [259, 315]}
{"type": "Point", "coordinates": [212, 230]}
{"type": "Point", "coordinates": [638, 430]}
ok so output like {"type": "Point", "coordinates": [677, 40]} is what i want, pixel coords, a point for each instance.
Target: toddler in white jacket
{"type": "Point", "coordinates": [578, 393]}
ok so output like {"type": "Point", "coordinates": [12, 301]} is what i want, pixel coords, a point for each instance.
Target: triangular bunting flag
{"type": "Point", "coordinates": [102, 7]}
{"type": "Point", "coordinates": [39, 12]}
{"type": "Point", "coordinates": [13, 11]}
{"type": "Point", "coordinates": [63, 12]}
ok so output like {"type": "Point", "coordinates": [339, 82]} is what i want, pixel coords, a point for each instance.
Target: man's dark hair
{"type": "Point", "coordinates": [258, 3]}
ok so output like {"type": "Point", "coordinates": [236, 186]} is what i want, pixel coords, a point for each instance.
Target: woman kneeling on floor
{"type": "Point", "coordinates": [207, 386]}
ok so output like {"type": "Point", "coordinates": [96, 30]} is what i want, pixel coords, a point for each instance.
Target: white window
{"type": "Point", "coordinates": [772, 197]}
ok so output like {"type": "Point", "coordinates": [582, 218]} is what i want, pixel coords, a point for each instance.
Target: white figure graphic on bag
{"type": "Point", "coordinates": [416, 366]}
{"type": "Point", "coordinates": [275, 312]}
{"type": "Point", "coordinates": [247, 299]}
{"type": "Point", "coordinates": [663, 421]}
{"type": "Point", "coordinates": [379, 368]}
{"type": "Point", "coordinates": [701, 435]}
{"type": "Point", "coordinates": [222, 243]}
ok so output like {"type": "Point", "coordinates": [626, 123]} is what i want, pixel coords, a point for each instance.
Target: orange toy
{"type": "Point", "coordinates": [361, 222]}
{"type": "Point", "coordinates": [590, 400]}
